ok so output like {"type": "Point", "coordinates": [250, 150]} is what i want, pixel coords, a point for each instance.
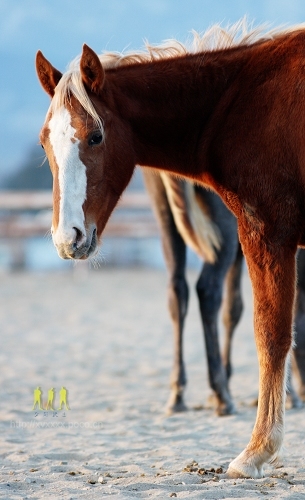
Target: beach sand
{"type": "Point", "coordinates": [106, 337]}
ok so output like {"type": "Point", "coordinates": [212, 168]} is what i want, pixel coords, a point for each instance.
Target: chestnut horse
{"type": "Point", "coordinates": [231, 118]}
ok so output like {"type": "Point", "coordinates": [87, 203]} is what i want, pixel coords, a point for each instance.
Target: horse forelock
{"type": "Point", "coordinates": [215, 38]}
{"type": "Point", "coordinates": [71, 84]}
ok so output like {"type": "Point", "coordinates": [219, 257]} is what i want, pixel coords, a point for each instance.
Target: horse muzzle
{"type": "Point", "coordinates": [79, 247]}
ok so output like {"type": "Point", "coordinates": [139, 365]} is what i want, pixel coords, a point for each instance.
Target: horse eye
{"type": "Point", "coordinates": [95, 139]}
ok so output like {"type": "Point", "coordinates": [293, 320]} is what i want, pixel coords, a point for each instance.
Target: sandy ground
{"type": "Point", "coordinates": [106, 337]}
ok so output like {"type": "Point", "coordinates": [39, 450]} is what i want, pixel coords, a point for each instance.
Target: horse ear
{"type": "Point", "coordinates": [91, 69]}
{"type": "Point", "coordinates": [47, 74]}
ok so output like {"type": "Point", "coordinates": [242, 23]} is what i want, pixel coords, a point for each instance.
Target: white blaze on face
{"type": "Point", "coordinates": [71, 176]}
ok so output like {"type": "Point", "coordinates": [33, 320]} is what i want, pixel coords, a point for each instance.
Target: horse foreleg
{"type": "Point", "coordinates": [272, 272]}
{"type": "Point", "coordinates": [233, 307]}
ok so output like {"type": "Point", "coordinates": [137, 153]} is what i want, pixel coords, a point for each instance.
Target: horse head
{"type": "Point", "coordinates": [88, 148]}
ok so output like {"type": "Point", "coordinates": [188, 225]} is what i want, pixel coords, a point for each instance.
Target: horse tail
{"type": "Point", "coordinates": [191, 218]}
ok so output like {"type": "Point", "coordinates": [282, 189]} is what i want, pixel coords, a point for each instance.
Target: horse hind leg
{"type": "Point", "coordinates": [292, 398]}
{"type": "Point", "coordinates": [177, 301]}
{"type": "Point", "coordinates": [175, 256]}
{"type": "Point", "coordinates": [209, 291]}
{"type": "Point", "coordinates": [174, 251]}
{"type": "Point", "coordinates": [298, 357]}
{"type": "Point", "coordinates": [232, 307]}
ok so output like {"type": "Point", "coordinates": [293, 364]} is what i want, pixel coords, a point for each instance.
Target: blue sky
{"type": "Point", "coordinates": [60, 27]}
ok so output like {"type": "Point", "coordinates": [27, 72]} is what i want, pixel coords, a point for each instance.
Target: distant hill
{"type": "Point", "coordinates": [32, 175]}
{"type": "Point", "coordinates": [35, 174]}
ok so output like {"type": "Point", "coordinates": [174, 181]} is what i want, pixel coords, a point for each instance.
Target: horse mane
{"type": "Point", "coordinates": [215, 38]}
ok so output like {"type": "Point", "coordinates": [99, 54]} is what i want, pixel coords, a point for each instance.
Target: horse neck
{"type": "Point", "coordinates": [169, 103]}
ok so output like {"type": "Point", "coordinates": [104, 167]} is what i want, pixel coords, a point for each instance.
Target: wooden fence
{"type": "Point", "coordinates": [28, 213]}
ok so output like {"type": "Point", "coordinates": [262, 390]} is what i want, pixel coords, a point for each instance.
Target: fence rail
{"type": "Point", "coordinates": [41, 200]}
{"type": "Point", "coordinates": [28, 213]}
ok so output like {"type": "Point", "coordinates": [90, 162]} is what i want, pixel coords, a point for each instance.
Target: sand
{"type": "Point", "coordinates": [106, 337]}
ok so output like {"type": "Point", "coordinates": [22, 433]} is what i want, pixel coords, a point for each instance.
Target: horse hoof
{"type": "Point", "coordinates": [245, 467]}
{"type": "Point", "coordinates": [179, 408]}
{"type": "Point", "coordinates": [221, 408]}
{"type": "Point", "coordinates": [293, 402]}
{"type": "Point", "coordinates": [241, 473]}
{"type": "Point", "coordinates": [224, 410]}
{"type": "Point", "coordinates": [176, 408]}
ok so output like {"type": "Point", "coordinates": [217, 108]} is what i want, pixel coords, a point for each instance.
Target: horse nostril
{"type": "Point", "coordinates": [78, 238]}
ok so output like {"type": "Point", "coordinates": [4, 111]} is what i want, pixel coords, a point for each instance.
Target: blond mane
{"type": "Point", "coordinates": [215, 38]}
